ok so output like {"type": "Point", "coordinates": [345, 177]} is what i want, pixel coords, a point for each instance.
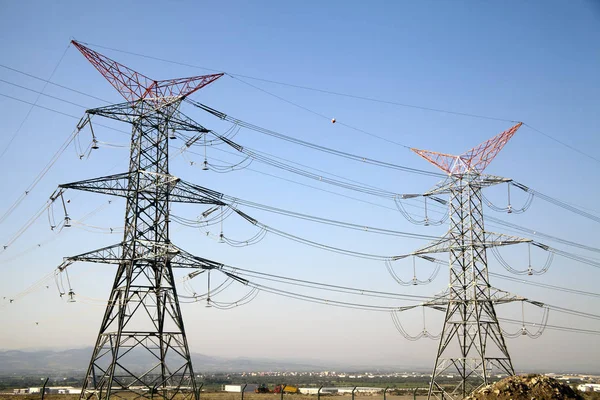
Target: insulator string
{"type": "Point", "coordinates": [529, 271]}
{"type": "Point", "coordinates": [414, 281]}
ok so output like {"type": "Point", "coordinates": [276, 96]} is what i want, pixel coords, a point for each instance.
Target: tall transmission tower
{"type": "Point", "coordinates": [471, 343]}
{"type": "Point", "coordinates": [143, 319]}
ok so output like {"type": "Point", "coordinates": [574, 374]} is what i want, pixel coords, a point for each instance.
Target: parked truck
{"type": "Point", "coordinates": [285, 389]}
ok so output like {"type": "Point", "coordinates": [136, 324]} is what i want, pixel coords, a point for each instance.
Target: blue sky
{"type": "Point", "coordinates": [533, 61]}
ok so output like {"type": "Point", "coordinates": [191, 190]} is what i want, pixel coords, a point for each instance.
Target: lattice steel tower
{"type": "Point", "coordinates": [143, 319]}
{"type": "Point", "coordinates": [471, 342]}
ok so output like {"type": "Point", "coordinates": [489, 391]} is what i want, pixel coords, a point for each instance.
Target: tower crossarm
{"type": "Point", "coordinates": [133, 85]}
{"type": "Point", "coordinates": [445, 162]}
{"type": "Point", "coordinates": [152, 112]}
{"type": "Point", "coordinates": [499, 296]}
{"type": "Point", "coordinates": [129, 83]}
{"type": "Point", "coordinates": [151, 183]}
{"type": "Point", "coordinates": [115, 185]}
{"type": "Point", "coordinates": [472, 161]}
{"type": "Point", "coordinates": [145, 251]}
{"type": "Point", "coordinates": [448, 243]}
{"type": "Point", "coordinates": [441, 301]}
{"type": "Point", "coordinates": [185, 192]}
{"type": "Point", "coordinates": [132, 112]}
{"type": "Point", "coordinates": [475, 181]}
{"type": "Point", "coordinates": [479, 157]}
{"type": "Point", "coordinates": [183, 86]}
{"type": "Point", "coordinates": [183, 259]}
{"type": "Point", "coordinates": [112, 254]}
{"type": "Point", "coordinates": [448, 185]}
{"type": "Point", "coordinates": [493, 239]}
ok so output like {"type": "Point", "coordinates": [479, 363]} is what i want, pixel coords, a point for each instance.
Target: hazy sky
{"type": "Point", "coordinates": [534, 61]}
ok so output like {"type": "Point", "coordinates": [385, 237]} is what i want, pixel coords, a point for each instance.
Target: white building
{"type": "Point", "coordinates": [238, 388]}
{"type": "Point", "coordinates": [315, 390]}
{"type": "Point", "coordinates": [49, 390]}
{"type": "Point", "coordinates": [589, 387]}
{"type": "Point", "coordinates": [62, 390]}
{"type": "Point", "coordinates": [359, 390]}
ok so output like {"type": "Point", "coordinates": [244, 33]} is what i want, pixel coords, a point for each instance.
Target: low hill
{"type": "Point", "coordinates": [77, 360]}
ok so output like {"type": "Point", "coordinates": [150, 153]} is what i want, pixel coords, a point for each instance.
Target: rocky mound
{"type": "Point", "coordinates": [526, 387]}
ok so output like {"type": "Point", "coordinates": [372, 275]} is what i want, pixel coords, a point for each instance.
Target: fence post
{"type": "Point", "coordinates": [243, 390]}
{"type": "Point", "coordinates": [200, 390]}
{"type": "Point", "coordinates": [319, 393]}
{"type": "Point", "coordinates": [385, 392]}
{"type": "Point", "coordinates": [44, 388]}
{"type": "Point", "coordinates": [415, 393]}
{"type": "Point", "coordinates": [282, 389]}
{"type": "Point", "coordinates": [353, 390]}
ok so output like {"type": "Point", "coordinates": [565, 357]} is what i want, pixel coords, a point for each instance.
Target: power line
{"type": "Point", "coordinates": [160, 202]}
{"type": "Point", "coordinates": [22, 197]}
{"type": "Point", "coordinates": [563, 143]}
{"type": "Point", "coordinates": [514, 226]}
{"type": "Point", "coordinates": [40, 175]}
{"type": "Point", "coordinates": [365, 98]}
{"type": "Point", "coordinates": [54, 158]}
{"type": "Point", "coordinates": [16, 133]}
{"type": "Point", "coordinates": [553, 327]}
{"type": "Point", "coordinates": [576, 257]}
{"type": "Point", "coordinates": [265, 228]}
{"type": "Point", "coordinates": [309, 88]}
{"type": "Point", "coordinates": [28, 224]}
{"type": "Point", "coordinates": [545, 286]}
{"type": "Point", "coordinates": [335, 288]}
{"type": "Point", "coordinates": [320, 300]}
{"type": "Point", "coordinates": [278, 163]}
{"type": "Point", "coordinates": [496, 221]}
{"type": "Point", "coordinates": [41, 94]}
{"type": "Point", "coordinates": [39, 106]}
{"type": "Point", "coordinates": [542, 235]}
{"type": "Point", "coordinates": [311, 145]}
{"type": "Point", "coordinates": [299, 183]}
{"type": "Point", "coordinates": [327, 221]}
{"type": "Point", "coordinates": [574, 312]}
{"type": "Point", "coordinates": [556, 202]}
{"type": "Point", "coordinates": [255, 154]}
{"type": "Point", "coordinates": [53, 83]}
{"type": "Point", "coordinates": [319, 114]}
{"type": "Point", "coordinates": [324, 286]}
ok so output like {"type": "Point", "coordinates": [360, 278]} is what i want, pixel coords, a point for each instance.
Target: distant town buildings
{"type": "Point", "coordinates": [589, 387]}
{"type": "Point", "coordinates": [49, 390]}
{"type": "Point", "coordinates": [587, 383]}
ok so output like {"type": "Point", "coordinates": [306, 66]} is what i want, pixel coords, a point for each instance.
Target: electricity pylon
{"type": "Point", "coordinates": [143, 319]}
{"type": "Point", "coordinates": [471, 343]}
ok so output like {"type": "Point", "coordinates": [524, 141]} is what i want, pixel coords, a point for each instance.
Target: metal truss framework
{"type": "Point", "coordinates": [471, 344]}
{"type": "Point", "coordinates": [143, 320]}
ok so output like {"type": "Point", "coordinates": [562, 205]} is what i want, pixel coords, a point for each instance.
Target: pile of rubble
{"type": "Point", "coordinates": [526, 387]}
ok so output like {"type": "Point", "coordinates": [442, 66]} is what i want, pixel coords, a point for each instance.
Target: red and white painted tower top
{"type": "Point", "coordinates": [472, 161]}
{"type": "Point", "coordinates": [134, 86]}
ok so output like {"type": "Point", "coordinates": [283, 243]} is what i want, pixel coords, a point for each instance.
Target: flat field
{"type": "Point", "coordinates": [228, 396]}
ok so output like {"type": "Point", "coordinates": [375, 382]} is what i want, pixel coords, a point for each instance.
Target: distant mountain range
{"type": "Point", "coordinates": [77, 360]}
{"type": "Point", "coordinates": [74, 362]}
